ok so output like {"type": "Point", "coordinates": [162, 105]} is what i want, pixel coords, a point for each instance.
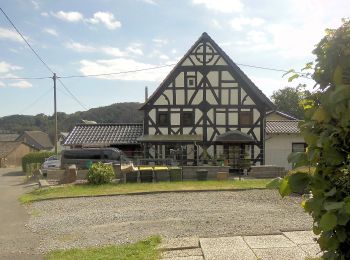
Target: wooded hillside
{"type": "Point", "coordinates": [115, 113]}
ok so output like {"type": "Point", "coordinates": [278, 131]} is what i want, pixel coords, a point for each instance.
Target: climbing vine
{"type": "Point", "coordinates": [326, 130]}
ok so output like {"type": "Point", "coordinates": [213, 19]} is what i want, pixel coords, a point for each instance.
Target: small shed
{"type": "Point", "coordinates": [12, 152]}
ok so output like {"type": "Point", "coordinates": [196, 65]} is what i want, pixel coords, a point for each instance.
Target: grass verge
{"type": "Point", "coordinates": [145, 249]}
{"type": "Point", "coordinates": [115, 189]}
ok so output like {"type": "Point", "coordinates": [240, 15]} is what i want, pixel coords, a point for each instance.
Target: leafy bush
{"type": "Point", "coordinates": [327, 132]}
{"type": "Point", "coordinates": [36, 157]}
{"type": "Point", "coordinates": [100, 173]}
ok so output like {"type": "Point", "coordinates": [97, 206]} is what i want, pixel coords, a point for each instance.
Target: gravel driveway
{"type": "Point", "coordinates": [82, 222]}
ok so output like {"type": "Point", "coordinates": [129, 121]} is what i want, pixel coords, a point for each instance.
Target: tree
{"type": "Point", "coordinates": [327, 132]}
{"type": "Point", "coordinates": [289, 100]}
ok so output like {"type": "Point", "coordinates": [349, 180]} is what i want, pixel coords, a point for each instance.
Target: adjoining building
{"type": "Point", "coordinates": [282, 138]}
{"type": "Point", "coordinates": [12, 152]}
{"type": "Point", "coordinates": [121, 136]}
{"type": "Point", "coordinates": [36, 139]}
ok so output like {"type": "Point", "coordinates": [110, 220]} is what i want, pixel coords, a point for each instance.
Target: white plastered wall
{"type": "Point", "coordinates": [278, 147]}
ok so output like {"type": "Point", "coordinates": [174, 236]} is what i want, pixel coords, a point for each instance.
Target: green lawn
{"type": "Point", "coordinates": [145, 249]}
{"type": "Point", "coordinates": [114, 189]}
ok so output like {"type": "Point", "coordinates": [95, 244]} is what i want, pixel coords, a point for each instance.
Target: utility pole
{"type": "Point", "coordinates": [55, 110]}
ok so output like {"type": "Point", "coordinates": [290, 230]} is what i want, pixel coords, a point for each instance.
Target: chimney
{"type": "Point", "coordinates": [146, 94]}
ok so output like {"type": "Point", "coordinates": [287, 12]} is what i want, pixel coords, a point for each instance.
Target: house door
{"type": "Point", "coordinates": [234, 155]}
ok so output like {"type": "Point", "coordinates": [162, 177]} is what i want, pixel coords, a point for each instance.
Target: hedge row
{"type": "Point", "coordinates": [36, 157]}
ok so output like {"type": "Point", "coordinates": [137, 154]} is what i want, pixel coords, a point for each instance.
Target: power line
{"type": "Point", "coordinates": [25, 78]}
{"type": "Point", "coordinates": [115, 73]}
{"type": "Point", "coordinates": [36, 54]}
{"type": "Point", "coordinates": [168, 65]}
{"type": "Point", "coordinates": [36, 100]}
{"type": "Point", "coordinates": [72, 95]}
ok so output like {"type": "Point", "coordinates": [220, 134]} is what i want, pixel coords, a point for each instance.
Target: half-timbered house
{"type": "Point", "coordinates": [206, 108]}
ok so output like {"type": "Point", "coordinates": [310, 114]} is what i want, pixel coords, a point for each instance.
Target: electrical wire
{"type": "Point", "coordinates": [168, 65]}
{"type": "Point", "coordinates": [36, 54]}
{"type": "Point", "coordinates": [36, 100]}
{"type": "Point", "coordinates": [72, 95]}
{"type": "Point", "coordinates": [115, 73]}
{"type": "Point", "coordinates": [25, 78]}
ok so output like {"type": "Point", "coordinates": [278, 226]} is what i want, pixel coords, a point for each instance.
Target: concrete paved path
{"type": "Point", "coordinates": [16, 241]}
{"type": "Point", "coordinates": [294, 245]}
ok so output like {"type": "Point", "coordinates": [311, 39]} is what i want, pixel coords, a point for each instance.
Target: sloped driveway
{"type": "Point", "coordinates": [16, 240]}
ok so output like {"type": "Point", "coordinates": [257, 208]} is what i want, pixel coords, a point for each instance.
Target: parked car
{"type": "Point", "coordinates": [53, 162]}
{"type": "Point", "coordinates": [82, 158]}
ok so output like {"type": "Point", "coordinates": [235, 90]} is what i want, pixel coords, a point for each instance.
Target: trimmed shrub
{"type": "Point", "coordinates": [36, 157]}
{"type": "Point", "coordinates": [100, 173]}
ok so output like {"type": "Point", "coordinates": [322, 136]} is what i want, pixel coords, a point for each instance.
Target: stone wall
{"type": "Point", "coordinates": [189, 172]}
{"type": "Point", "coordinates": [267, 171]}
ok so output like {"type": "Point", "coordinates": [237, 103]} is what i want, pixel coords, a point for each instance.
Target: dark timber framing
{"type": "Point", "coordinates": [219, 94]}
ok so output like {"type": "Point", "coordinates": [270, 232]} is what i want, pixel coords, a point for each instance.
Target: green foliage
{"type": "Point", "coordinates": [36, 157]}
{"type": "Point", "coordinates": [100, 173]}
{"type": "Point", "coordinates": [327, 132]}
{"type": "Point", "coordinates": [274, 184]}
{"type": "Point", "coordinates": [289, 100]}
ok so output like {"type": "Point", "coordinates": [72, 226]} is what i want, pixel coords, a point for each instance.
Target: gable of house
{"type": "Point", "coordinates": [278, 115]}
{"type": "Point", "coordinates": [36, 139]}
{"type": "Point", "coordinates": [207, 95]}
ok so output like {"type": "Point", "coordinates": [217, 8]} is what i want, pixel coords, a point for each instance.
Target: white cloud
{"type": "Point", "coordinates": [7, 67]}
{"type": "Point", "coordinates": [9, 35]}
{"type": "Point", "coordinates": [50, 31]}
{"type": "Point", "coordinates": [21, 84]}
{"type": "Point", "coordinates": [160, 42]}
{"type": "Point", "coordinates": [151, 2]}
{"type": "Point", "coordinates": [106, 19]}
{"type": "Point", "coordinates": [270, 84]}
{"type": "Point", "coordinates": [69, 16]}
{"type": "Point", "coordinates": [35, 4]}
{"type": "Point", "coordinates": [45, 14]}
{"type": "Point", "coordinates": [123, 64]}
{"type": "Point", "coordinates": [113, 51]}
{"type": "Point", "coordinates": [216, 24]}
{"type": "Point", "coordinates": [6, 70]}
{"type": "Point", "coordinates": [135, 48]}
{"type": "Point", "coordinates": [240, 22]}
{"type": "Point", "coordinates": [132, 49]}
{"type": "Point", "coordinates": [224, 6]}
{"type": "Point", "coordinates": [79, 47]}
{"type": "Point", "coordinates": [164, 57]}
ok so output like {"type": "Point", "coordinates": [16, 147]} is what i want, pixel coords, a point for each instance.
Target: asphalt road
{"type": "Point", "coordinates": [16, 240]}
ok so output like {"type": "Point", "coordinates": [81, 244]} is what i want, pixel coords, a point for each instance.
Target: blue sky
{"type": "Point", "coordinates": [101, 36]}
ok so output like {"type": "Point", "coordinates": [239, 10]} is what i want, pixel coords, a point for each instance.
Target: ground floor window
{"type": "Point", "coordinates": [298, 147]}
